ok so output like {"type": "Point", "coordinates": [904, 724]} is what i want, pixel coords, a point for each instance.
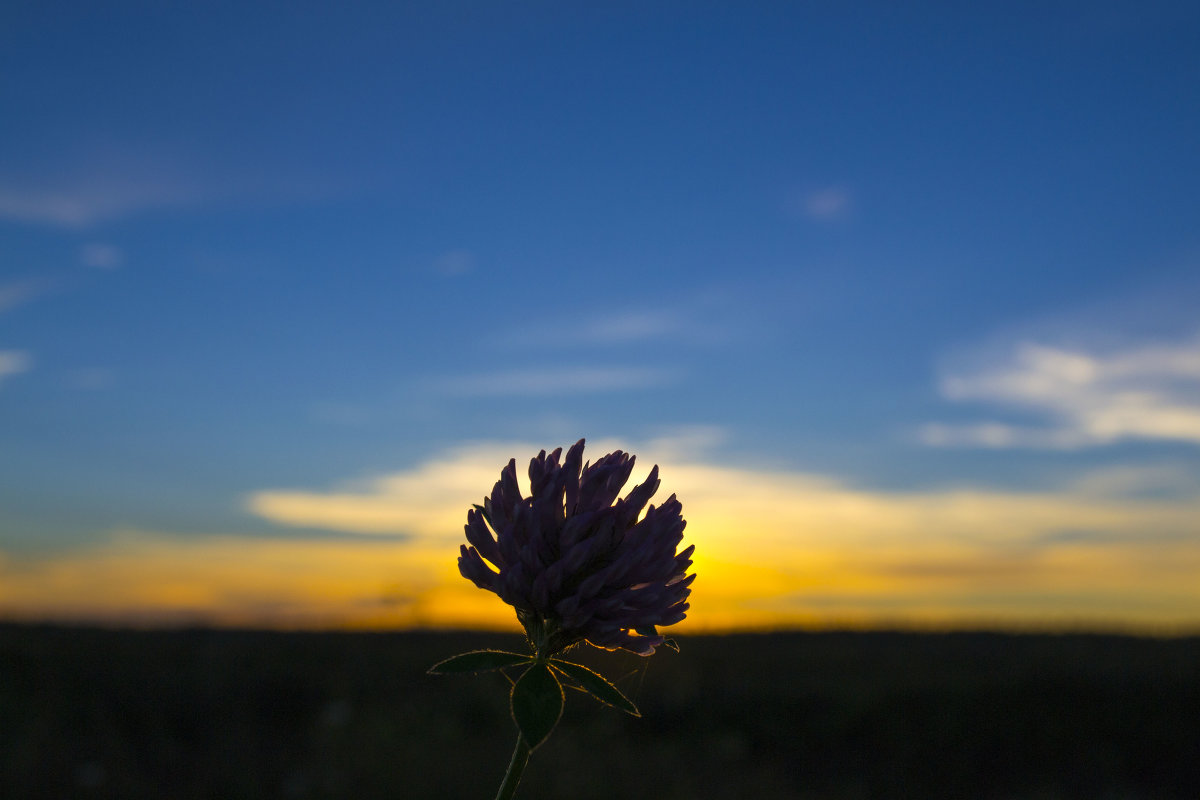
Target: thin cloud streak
{"type": "Point", "coordinates": [613, 329]}
{"type": "Point", "coordinates": [826, 205]}
{"type": "Point", "coordinates": [1149, 393]}
{"type": "Point", "coordinates": [17, 293]}
{"type": "Point", "coordinates": [90, 203]}
{"type": "Point", "coordinates": [91, 378]}
{"type": "Point", "coordinates": [101, 256]}
{"type": "Point", "coordinates": [703, 318]}
{"type": "Point", "coordinates": [628, 327]}
{"type": "Point", "coordinates": [548, 382]}
{"type": "Point", "coordinates": [13, 362]}
{"type": "Point", "coordinates": [455, 263]}
{"type": "Point", "coordinates": [120, 185]}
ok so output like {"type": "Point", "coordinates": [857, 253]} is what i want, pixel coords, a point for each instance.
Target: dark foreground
{"type": "Point", "coordinates": [208, 714]}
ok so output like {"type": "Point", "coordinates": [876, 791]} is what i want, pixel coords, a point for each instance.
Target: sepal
{"type": "Point", "coordinates": [650, 630]}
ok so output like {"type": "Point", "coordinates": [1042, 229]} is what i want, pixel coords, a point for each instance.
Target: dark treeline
{"type": "Point", "coordinates": [88, 713]}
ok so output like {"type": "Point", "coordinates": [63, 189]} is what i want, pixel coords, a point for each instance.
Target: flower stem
{"type": "Point", "coordinates": [520, 758]}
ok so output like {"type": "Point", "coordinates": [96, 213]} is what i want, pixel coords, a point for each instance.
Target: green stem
{"type": "Point", "coordinates": [520, 758]}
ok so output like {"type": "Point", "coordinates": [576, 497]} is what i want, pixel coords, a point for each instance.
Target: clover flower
{"type": "Point", "coordinates": [578, 563]}
{"type": "Point", "coordinates": [575, 560]}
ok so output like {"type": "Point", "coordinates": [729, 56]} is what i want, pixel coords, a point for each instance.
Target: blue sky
{"type": "Point", "coordinates": [257, 251]}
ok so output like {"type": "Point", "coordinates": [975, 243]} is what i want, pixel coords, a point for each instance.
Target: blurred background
{"type": "Point", "coordinates": [902, 299]}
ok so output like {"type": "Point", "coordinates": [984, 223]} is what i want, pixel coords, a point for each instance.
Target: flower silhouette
{"type": "Point", "coordinates": [574, 560]}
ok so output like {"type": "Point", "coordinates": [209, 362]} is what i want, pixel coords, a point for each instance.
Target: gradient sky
{"type": "Point", "coordinates": [904, 301]}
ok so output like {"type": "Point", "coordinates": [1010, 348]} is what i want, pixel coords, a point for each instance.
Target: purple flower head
{"type": "Point", "coordinates": [575, 560]}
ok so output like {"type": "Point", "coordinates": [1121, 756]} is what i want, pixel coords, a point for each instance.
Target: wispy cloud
{"type": "Point", "coordinates": [101, 256]}
{"type": "Point", "coordinates": [91, 378]}
{"type": "Point", "coordinates": [549, 381]}
{"type": "Point", "coordinates": [87, 202]}
{"type": "Point", "coordinates": [827, 204]}
{"type": "Point", "coordinates": [700, 320]}
{"type": "Point", "coordinates": [1086, 397]}
{"type": "Point", "coordinates": [424, 501]}
{"type": "Point", "coordinates": [1141, 481]}
{"type": "Point", "coordinates": [13, 362]}
{"type": "Point", "coordinates": [629, 327]}
{"type": "Point", "coordinates": [84, 192]}
{"type": "Point", "coordinates": [454, 263]}
{"type": "Point", "coordinates": [16, 293]}
{"type": "Point", "coordinates": [602, 329]}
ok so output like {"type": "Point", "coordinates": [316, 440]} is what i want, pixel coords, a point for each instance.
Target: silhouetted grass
{"type": "Point", "coordinates": [225, 714]}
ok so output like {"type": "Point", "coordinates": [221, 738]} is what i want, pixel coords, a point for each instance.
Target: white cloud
{"type": "Point", "coordinates": [426, 501]}
{"type": "Point", "coordinates": [549, 382]}
{"type": "Point", "coordinates": [101, 256]}
{"type": "Point", "coordinates": [1087, 397]}
{"type": "Point", "coordinates": [13, 362]}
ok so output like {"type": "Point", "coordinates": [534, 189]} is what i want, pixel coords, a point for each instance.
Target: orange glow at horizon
{"type": "Point", "coordinates": [774, 550]}
{"type": "Point", "coordinates": [143, 580]}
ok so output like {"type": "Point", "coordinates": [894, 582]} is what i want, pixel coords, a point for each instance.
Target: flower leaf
{"type": "Point", "coordinates": [478, 661]}
{"type": "Point", "coordinates": [596, 685]}
{"type": "Point", "coordinates": [537, 704]}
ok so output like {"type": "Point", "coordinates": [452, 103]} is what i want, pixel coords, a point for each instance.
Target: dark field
{"type": "Point", "coordinates": [210, 714]}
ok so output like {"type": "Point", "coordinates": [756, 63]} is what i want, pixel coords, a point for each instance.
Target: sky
{"type": "Point", "coordinates": [902, 298]}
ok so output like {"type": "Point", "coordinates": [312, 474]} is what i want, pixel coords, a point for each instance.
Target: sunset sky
{"type": "Point", "coordinates": [904, 299]}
